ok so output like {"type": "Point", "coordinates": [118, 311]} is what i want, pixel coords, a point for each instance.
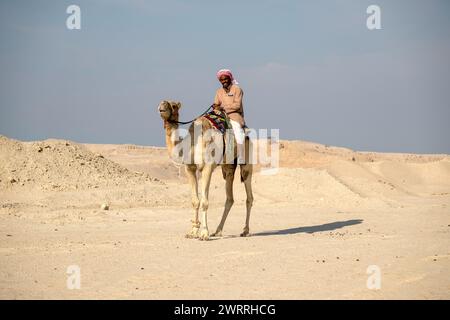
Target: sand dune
{"type": "Point", "coordinates": [317, 225]}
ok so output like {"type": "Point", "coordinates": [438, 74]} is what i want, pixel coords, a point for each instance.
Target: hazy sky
{"type": "Point", "coordinates": [310, 68]}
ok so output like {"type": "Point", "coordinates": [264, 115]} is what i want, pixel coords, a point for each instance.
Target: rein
{"type": "Point", "coordinates": [186, 122]}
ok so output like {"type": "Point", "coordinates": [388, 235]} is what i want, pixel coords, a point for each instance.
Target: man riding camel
{"type": "Point", "coordinates": [229, 99]}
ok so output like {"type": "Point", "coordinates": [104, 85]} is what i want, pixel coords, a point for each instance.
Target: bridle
{"type": "Point", "coordinates": [186, 122]}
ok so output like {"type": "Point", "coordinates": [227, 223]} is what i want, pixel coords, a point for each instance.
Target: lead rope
{"type": "Point", "coordinates": [186, 122]}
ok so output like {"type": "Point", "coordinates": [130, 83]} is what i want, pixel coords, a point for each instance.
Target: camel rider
{"type": "Point", "coordinates": [229, 99]}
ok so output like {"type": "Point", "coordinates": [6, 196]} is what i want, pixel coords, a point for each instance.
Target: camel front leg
{"type": "Point", "coordinates": [191, 172]}
{"type": "Point", "coordinates": [206, 180]}
{"type": "Point", "coordinates": [228, 171]}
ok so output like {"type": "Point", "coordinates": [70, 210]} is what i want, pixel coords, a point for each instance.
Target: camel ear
{"type": "Point", "coordinates": [176, 105]}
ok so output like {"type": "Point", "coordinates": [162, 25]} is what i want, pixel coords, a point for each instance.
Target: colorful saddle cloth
{"type": "Point", "coordinates": [219, 120]}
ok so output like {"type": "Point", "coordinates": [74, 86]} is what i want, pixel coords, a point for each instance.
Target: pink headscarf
{"type": "Point", "coordinates": [226, 72]}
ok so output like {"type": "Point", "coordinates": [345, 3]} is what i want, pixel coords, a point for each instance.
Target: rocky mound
{"type": "Point", "coordinates": [60, 165]}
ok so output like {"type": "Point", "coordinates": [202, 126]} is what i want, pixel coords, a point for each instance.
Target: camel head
{"type": "Point", "coordinates": [168, 110]}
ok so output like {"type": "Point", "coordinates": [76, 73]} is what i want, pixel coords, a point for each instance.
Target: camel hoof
{"type": "Point", "coordinates": [217, 234]}
{"type": "Point", "coordinates": [204, 235]}
{"type": "Point", "coordinates": [246, 233]}
{"type": "Point", "coordinates": [193, 234]}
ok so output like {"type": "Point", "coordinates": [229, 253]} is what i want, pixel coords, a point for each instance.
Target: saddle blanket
{"type": "Point", "coordinates": [219, 120]}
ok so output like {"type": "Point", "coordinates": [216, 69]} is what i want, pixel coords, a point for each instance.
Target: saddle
{"type": "Point", "coordinates": [219, 120]}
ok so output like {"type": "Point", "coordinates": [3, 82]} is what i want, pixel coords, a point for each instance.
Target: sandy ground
{"type": "Point", "coordinates": [317, 226]}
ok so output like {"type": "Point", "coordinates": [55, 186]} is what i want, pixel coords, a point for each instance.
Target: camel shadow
{"type": "Point", "coordinates": [310, 229]}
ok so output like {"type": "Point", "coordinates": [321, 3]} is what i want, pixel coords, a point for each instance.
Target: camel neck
{"type": "Point", "coordinates": [170, 130]}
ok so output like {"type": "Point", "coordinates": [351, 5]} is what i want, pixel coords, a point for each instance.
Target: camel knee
{"type": "Point", "coordinates": [204, 205]}
{"type": "Point", "coordinates": [249, 201]}
{"type": "Point", "coordinates": [229, 202]}
{"type": "Point", "coordinates": [195, 203]}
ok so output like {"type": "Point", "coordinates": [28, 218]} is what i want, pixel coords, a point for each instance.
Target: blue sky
{"type": "Point", "coordinates": [310, 68]}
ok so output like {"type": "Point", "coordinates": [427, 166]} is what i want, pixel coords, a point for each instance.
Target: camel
{"type": "Point", "coordinates": [169, 112]}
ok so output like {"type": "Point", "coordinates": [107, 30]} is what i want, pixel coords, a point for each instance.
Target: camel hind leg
{"type": "Point", "coordinates": [246, 177]}
{"type": "Point", "coordinates": [228, 171]}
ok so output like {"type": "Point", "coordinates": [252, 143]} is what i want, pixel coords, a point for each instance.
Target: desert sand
{"type": "Point", "coordinates": [316, 226]}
